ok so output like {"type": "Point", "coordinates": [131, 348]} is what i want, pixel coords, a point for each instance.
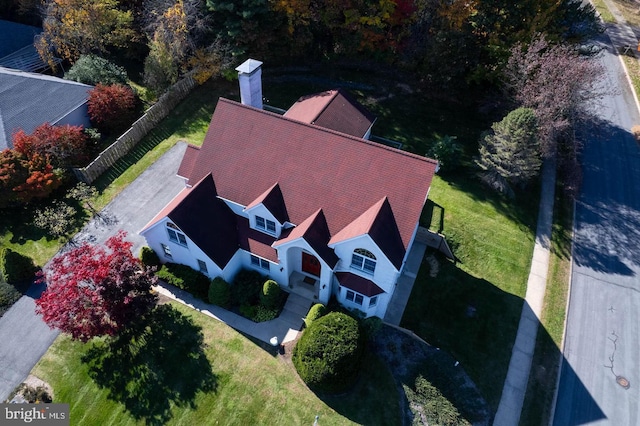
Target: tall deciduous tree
{"type": "Point", "coordinates": [96, 290]}
{"type": "Point", "coordinates": [510, 155]}
{"type": "Point", "coordinates": [77, 27]}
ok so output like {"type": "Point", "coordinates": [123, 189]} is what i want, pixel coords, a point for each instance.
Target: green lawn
{"type": "Point", "coordinates": [472, 308]}
{"type": "Point", "coordinates": [169, 377]}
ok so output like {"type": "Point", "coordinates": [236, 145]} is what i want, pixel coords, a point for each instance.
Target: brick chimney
{"type": "Point", "coordinates": [250, 78]}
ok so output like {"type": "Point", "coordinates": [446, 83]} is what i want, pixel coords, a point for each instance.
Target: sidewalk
{"type": "Point", "coordinates": [515, 385]}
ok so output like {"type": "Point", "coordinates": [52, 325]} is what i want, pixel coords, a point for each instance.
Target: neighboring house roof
{"type": "Point", "coordinates": [273, 200]}
{"type": "Point", "coordinates": [313, 230]}
{"type": "Point", "coordinates": [358, 284]}
{"type": "Point", "coordinates": [379, 223]}
{"type": "Point", "coordinates": [248, 150]}
{"type": "Point", "coordinates": [333, 109]}
{"type": "Point", "coordinates": [17, 50]}
{"type": "Point", "coordinates": [28, 100]}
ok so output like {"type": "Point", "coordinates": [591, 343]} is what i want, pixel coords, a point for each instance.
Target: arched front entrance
{"type": "Point", "coordinates": [310, 264]}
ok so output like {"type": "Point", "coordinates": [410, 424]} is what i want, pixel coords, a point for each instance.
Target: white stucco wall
{"type": "Point", "coordinates": [262, 211]}
{"type": "Point", "coordinates": [385, 274]}
{"type": "Point", "coordinates": [290, 256]}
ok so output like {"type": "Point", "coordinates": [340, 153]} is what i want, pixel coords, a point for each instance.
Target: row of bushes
{"type": "Point", "coordinates": [252, 294]}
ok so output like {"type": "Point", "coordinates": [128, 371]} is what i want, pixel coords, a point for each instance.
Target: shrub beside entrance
{"type": "Point", "coordinates": [328, 355]}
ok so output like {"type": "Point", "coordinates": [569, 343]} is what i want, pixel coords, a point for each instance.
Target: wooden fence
{"type": "Point", "coordinates": [138, 130]}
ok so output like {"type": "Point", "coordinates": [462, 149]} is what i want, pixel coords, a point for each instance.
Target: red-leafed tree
{"type": "Point", "coordinates": [112, 108]}
{"type": "Point", "coordinates": [64, 145]}
{"type": "Point", "coordinates": [96, 290]}
{"type": "Point", "coordinates": [23, 177]}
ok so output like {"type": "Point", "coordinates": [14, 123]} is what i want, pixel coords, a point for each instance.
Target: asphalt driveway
{"type": "Point", "coordinates": [24, 337]}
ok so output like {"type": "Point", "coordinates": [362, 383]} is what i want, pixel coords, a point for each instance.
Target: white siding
{"type": "Point", "coordinates": [262, 211]}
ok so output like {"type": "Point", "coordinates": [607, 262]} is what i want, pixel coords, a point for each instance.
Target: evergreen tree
{"type": "Point", "coordinates": [510, 154]}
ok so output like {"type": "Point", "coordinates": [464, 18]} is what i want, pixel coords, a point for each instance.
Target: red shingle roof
{"type": "Point", "coordinates": [248, 150]}
{"type": "Point", "coordinates": [358, 284]}
{"type": "Point", "coordinates": [333, 109]}
{"type": "Point", "coordinates": [189, 159]}
{"type": "Point", "coordinates": [313, 230]}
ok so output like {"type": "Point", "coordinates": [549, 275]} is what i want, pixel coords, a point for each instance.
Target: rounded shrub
{"type": "Point", "coordinates": [328, 355]}
{"type": "Point", "coordinates": [149, 257]}
{"type": "Point", "coordinates": [219, 292]}
{"type": "Point", "coordinates": [271, 293]}
{"type": "Point", "coordinates": [92, 70]}
{"type": "Point", "coordinates": [16, 267]}
{"type": "Point", "coordinates": [315, 312]}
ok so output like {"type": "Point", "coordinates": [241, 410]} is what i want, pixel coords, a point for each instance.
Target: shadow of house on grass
{"type": "Point", "coordinates": [157, 362]}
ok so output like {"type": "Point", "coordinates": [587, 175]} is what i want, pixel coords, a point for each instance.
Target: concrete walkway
{"type": "Point", "coordinates": [281, 330]}
{"type": "Point", "coordinates": [404, 286]}
{"type": "Point", "coordinates": [515, 385]}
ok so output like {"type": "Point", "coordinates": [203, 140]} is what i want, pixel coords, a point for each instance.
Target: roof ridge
{"type": "Point", "coordinates": [324, 129]}
{"type": "Point", "coordinates": [326, 105]}
{"type": "Point", "coordinates": [27, 74]}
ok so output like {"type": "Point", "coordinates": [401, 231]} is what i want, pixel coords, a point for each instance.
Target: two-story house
{"type": "Point", "coordinates": [303, 197]}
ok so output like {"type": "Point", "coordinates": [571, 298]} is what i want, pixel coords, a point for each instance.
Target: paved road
{"type": "Point", "coordinates": [24, 337]}
{"type": "Point", "coordinates": [602, 345]}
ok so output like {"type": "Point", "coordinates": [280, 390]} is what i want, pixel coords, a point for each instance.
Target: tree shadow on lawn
{"type": "Point", "coordinates": [158, 361]}
{"type": "Point", "coordinates": [470, 318]}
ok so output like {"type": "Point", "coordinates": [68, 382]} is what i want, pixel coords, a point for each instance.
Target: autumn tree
{"type": "Point", "coordinates": [72, 28]}
{"type": "Point", "coordinates": [23, 178]}
{"type": "Point", "coordinates": [112, 108]}
{"type": "Point", "coordinates": [181, 41]}
{"type": "Point", "coordinates": [56, 220]}
{"type": "Point", "coordinates": [96, 290]}
{"type": "Point", "coordinates": [510, 154]}
{"type": "Point", "coordinates": [64, 146]}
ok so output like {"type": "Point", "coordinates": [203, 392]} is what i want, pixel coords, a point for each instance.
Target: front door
{"type": "Point", "coordinates": [310, 264]}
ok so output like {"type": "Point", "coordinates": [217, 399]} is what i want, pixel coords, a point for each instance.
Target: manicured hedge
{"type": "Point", "coordinates": [186, 278]}
{"type": "Point", "coordinates": [16, 267]}
{"type": "Point", "coordinates": [149, 257]}
{"type": "Point", "coordinates": [315, 312]}
{"type": "Point", "coordinates": [271, 295]}
{"type": "Point", "coordinates": [219, 292]}
{"type": "Point", "coordinates": [328, 355]}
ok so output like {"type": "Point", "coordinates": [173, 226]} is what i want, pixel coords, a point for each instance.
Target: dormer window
{"type": "Point", "coordinates": [175, 235]}
{"type": "Point", "coordinates": [363, 260]}
{"type": "Point", "coordinates": [265, 225]}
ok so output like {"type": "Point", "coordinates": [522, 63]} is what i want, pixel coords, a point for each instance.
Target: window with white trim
{"type": "Point", "coordinates": [259, 262]}
{"type": "Point", "coordinates": [202, 265]}
{"type": "Point", "coordinates": [175, 235]}
{"type": "Point", "coordinates": [373, 301]}
{"type": "Point", "coordinates": [265, 224]}
{"type": "Point", "coordinates": [354, 297]}
{"type": "Point", "coordinates": [363, 260]}
{"type": "Point", "coordinates": [166, 250]}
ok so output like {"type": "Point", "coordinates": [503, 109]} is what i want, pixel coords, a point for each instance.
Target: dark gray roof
{"type": "Point", "coordinates": [15, 36]}
{"type": "Point", "coordinates": [28, 100]}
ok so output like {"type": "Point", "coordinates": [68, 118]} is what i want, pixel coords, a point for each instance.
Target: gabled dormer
{"type": "Point", "coordinates": [373, 234]}
{"type": "Point", "coordinates": [268, 212]}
